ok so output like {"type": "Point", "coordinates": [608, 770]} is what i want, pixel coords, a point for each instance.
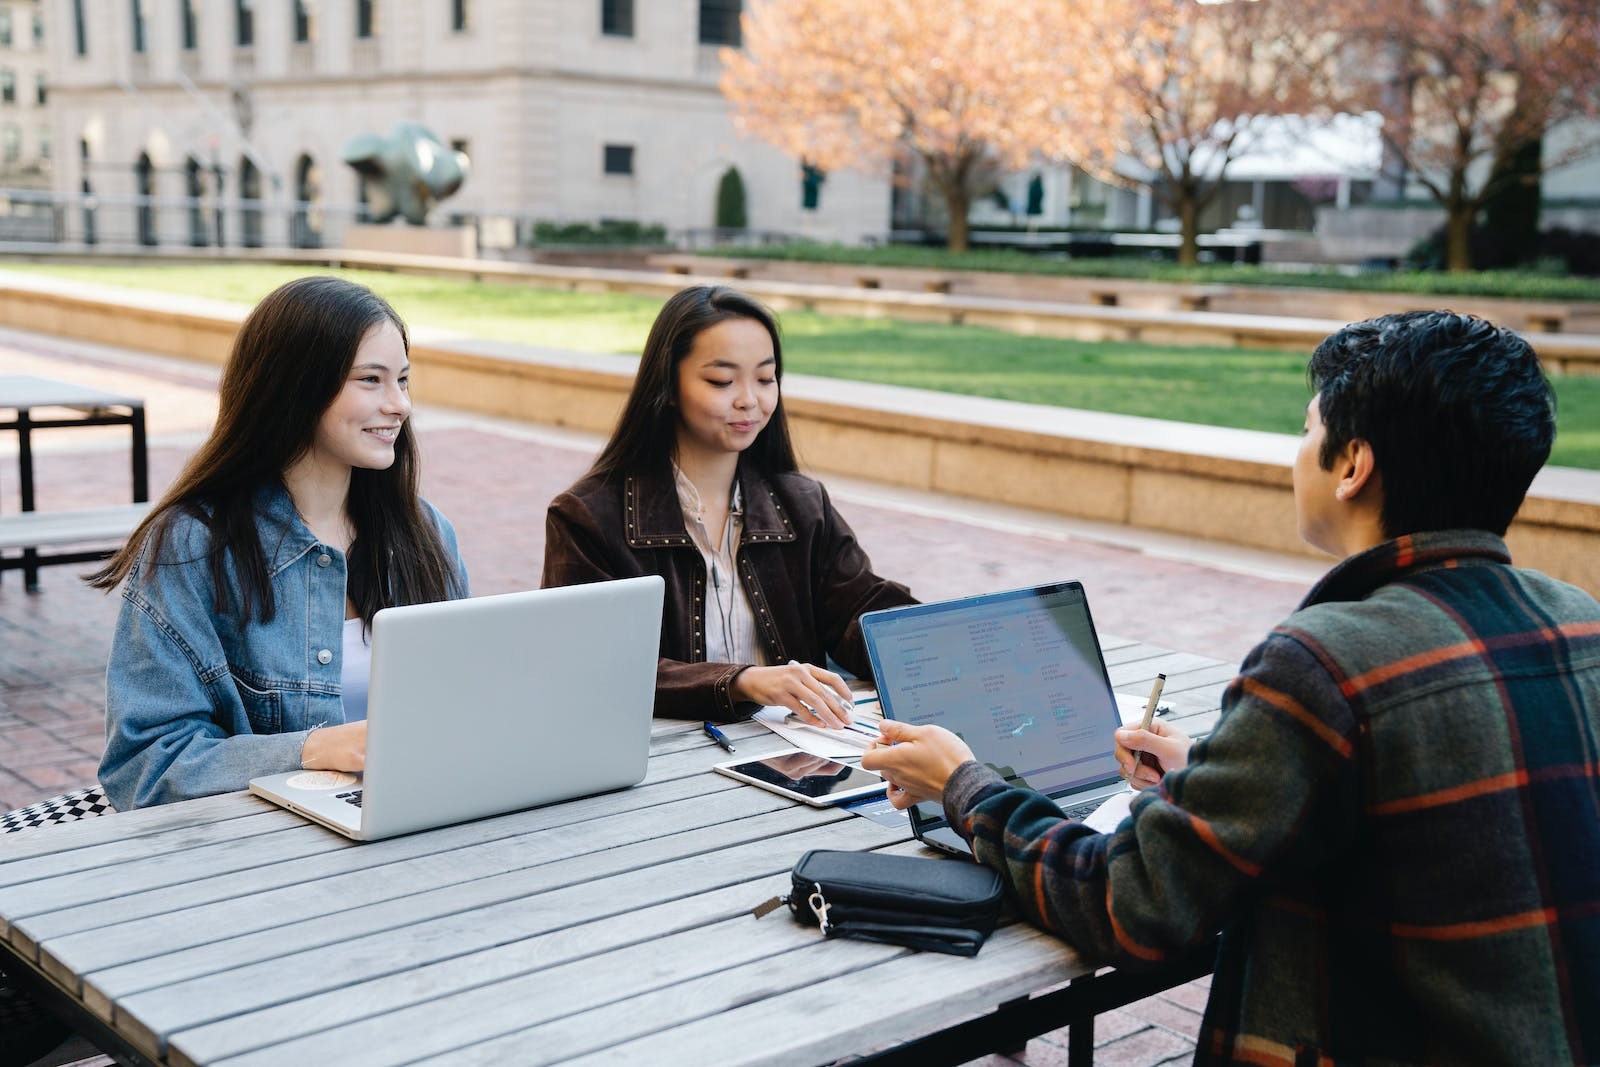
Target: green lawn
{"type": "Point", "coordinates": [1525, 284]}
{"type": "Point", "coordinates": [1222, 387]}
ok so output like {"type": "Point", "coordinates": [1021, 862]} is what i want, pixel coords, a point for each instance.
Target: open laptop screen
{"type": "Point", "coordinates": [1018, 675]}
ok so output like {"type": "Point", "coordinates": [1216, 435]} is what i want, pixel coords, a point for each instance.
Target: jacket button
{"type": "Point", "coordinates": [324, 657]}
{"type": "Point", "coordinates": [324, 559]}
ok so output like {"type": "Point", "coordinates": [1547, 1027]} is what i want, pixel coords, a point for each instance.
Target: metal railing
{"type": "Point", "coordinates": [122, 221]}
{"type": "Point", "coordinates": [125, 222]}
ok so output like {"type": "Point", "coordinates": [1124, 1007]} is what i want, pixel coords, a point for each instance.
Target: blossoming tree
{"type": "Point", "coordinates": [967, 85]}
{"type": "Point", "coordinates": [1191, 85]}
{"type": "Point", "coordinates": [1466, 85]}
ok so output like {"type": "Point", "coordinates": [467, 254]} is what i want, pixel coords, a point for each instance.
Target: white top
{"type": "Point", "coordinates": [731, 635]}
{"type": "Point", "coordinates": [355, 671]}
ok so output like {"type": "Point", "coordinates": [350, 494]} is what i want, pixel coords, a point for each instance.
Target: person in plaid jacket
{"type": "Point", "coordinates": [1396, 822]}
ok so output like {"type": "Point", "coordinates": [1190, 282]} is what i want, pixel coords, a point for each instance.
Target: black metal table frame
{"type": "Point", "coordinates": [25, 424]}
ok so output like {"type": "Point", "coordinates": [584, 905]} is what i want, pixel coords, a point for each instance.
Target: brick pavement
{"type": "Point", "coordinates": [493, 479]}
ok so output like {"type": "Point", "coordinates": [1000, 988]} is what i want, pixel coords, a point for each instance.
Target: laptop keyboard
{"type": "Point", "coordinates": [352, 797]}
{"type": "Point", "coordinates": [1081, 811]}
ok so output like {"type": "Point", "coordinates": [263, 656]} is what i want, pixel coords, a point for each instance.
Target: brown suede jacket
{"type": "Point", "coordinates": [807, 578]}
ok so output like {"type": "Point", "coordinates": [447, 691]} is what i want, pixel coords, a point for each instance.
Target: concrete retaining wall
{"type": "Point", "coordinates": [1201, 481]}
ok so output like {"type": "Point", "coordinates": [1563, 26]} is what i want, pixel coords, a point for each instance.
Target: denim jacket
{"type": "Point", "coordinates": [199, 702]}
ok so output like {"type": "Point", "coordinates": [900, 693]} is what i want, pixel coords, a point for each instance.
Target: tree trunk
{"type": "Point", "coordinates": [1511, 212]}
{"type": "Point", "coordinates": [957, 203]}
{"type": "Point", "coordinates": [1188, 206]}
{"type": "Point", "coordinates": [1458, 236]}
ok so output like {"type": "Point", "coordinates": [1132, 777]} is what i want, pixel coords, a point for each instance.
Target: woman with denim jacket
{"type": "Point", "coordinates": [698, 484]}
{"type": "Point", "coordinates": [249, 591]}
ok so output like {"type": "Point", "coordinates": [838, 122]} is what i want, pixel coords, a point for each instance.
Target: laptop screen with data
{"type": "Point", "coordinates": [1018, 675]}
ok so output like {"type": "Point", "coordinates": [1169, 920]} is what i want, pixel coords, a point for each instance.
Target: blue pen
{"type": "Point", "coordinates": [717, 735]}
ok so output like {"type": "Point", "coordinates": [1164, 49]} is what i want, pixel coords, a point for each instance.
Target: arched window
{"type": "Point", "coordinates": [194, 176]}
{"type": "Point", "coordinates": [144, 173]}
{"type": "Point", "coordinates": [249, 203]}
{"type": "Point", "coordinates": [244, 23]}
{"type": "Point", "coordinates": [136, 13]}
{"type": "Point", "coordinates": [307, 230]}
{"type": "Point", "coordinates": [88, 192]}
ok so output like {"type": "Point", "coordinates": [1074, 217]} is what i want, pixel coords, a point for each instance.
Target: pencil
{"type": "Point", "coordinates": [1149, 714]}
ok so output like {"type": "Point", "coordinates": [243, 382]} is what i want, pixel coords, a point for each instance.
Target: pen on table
{"type": "Point", "coordinates": [717, 735]}
{"type": "Point", "coordinates": [1149, 713]}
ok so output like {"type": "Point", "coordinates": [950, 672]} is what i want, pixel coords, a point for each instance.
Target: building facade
{"type": "Point", "coordinates": [232, 114]}
{"type": "Point", "coordinates": [26, 133]}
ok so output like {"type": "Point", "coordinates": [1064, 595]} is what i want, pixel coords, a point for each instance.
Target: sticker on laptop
{"type": "Point", "coordinates": [321, 780]}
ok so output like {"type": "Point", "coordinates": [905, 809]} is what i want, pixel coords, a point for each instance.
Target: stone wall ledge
{"type": "Point", "coordinates": [1262, 321]}
{"type": "Point", "coordinates": [1199, 481]}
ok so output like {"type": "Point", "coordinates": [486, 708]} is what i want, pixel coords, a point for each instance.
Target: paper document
{"type": "Point", "coordinates": [1109, 815]}
{"type": "Point", "coordinates": [833, 744]}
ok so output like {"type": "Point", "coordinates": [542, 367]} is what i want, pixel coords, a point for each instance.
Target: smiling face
{"type": "Point", "coordinates": [727, 388]}
{"type": "Point", "coordinates": [360, 427]}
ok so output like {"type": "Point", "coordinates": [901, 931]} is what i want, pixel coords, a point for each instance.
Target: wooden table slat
{"type": "Point", "coordinates": [88, 833]}
{"type": "Point", "coordinates": [153, 846]}
{"type": "Point", "coordinates": [1130, 653]}
{"type": "Point", "coordinates": [131, 928]}
{"type": "Point", "coordinates": [552, 928]}
{"type": "Point", "coordinates": [831, 1013]}
{"type": "Point", "coordinates": [1143, 671]}
{"type": "Point", "coordinates": [20, 902]}
{"type": "Point", "coordinates": [203, 964]}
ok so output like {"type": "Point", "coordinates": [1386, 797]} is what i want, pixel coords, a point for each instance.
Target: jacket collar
{"type": "Point", "coordinates": [1359, 575]}
{"type": "Point", "coordinates": [652, 517]}
{"type": "Point", "coordinates": [284, 535]}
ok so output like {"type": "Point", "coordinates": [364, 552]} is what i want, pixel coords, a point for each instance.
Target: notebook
{"type": "Point", "coordinates": [494, 704]}
{"type": "Point", "coordinates": [1019, 676]}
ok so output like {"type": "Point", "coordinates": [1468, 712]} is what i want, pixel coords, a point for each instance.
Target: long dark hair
{"type": "Point", "coordinates": [289, 361]}
{"type": "Point", "coordinates": [647, 433]}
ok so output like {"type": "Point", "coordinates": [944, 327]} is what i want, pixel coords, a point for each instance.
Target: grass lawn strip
{"type": "Point", "coordinates": [1239, 388]}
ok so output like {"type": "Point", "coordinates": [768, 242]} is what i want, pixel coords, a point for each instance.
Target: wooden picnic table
{"type": "Point", "coordinates": [610, 929]}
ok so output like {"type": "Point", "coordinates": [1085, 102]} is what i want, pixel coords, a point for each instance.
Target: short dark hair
{"type": "Point", "coordinates": [1458, 412]}
{"type": "Point", "coordinates": [647, 433]}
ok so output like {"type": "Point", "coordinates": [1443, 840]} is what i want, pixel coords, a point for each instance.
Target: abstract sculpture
{"type": "Point", "coordinates": [405, 173]}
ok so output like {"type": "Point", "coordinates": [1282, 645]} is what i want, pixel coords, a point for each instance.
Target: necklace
{"type": "Point", "coordinates": [725, 609]}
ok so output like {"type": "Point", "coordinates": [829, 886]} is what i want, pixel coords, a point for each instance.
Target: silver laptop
{"type": "Point", "coordinates": [495, 704]}
{"type": "Point", "coordinates": [1019, 676]}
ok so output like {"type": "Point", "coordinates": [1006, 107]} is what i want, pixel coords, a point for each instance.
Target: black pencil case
{"type": "Point", "coordinates": [939, 905]}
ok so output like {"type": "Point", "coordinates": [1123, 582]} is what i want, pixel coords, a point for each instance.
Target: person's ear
{"type": "Point", "coordinates": [1357, 468]}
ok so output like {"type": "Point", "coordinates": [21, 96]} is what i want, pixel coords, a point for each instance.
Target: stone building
{"type": "Point", "coordinates": [233, 114]}
{"type": "Point", "coordinates": [26, 136]}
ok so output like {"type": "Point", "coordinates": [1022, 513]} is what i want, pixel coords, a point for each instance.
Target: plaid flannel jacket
{"type": "Point", "coordinates": [1395, 825]}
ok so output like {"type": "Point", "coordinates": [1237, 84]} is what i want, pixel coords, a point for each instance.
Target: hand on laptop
{"type": "Point", "coordinates": [1167, 744]}
{"type": "Point", "coordinates": [817, 696]}
{"type": "Point", "coordinates": [336, 748]}
{"type": "Point", "coordinates": [917, 761]}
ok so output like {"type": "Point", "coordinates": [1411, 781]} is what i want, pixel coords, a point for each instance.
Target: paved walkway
{"type": "Point", "coordinates": [494, 479]}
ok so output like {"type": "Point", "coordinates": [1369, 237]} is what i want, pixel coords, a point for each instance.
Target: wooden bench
{"type": "Point", "coordinates": [31, 530]}
{"type": "Point", "coordinates": [1545, 318]}
{"type": "Point", "coordinates": [1199, 297]}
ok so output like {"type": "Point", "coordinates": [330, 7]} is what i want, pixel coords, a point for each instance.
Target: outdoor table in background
{"type": "Point", "coordinates": [613, 928]}
{"type": "Point", "coordinates": [82, 406]}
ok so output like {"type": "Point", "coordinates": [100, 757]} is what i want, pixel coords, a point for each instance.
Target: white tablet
{"type": "Point", "coordinates": [813, 780]}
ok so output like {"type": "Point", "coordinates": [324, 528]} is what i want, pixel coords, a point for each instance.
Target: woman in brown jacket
{"type": "Point", "coordinates": [699, 485]}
